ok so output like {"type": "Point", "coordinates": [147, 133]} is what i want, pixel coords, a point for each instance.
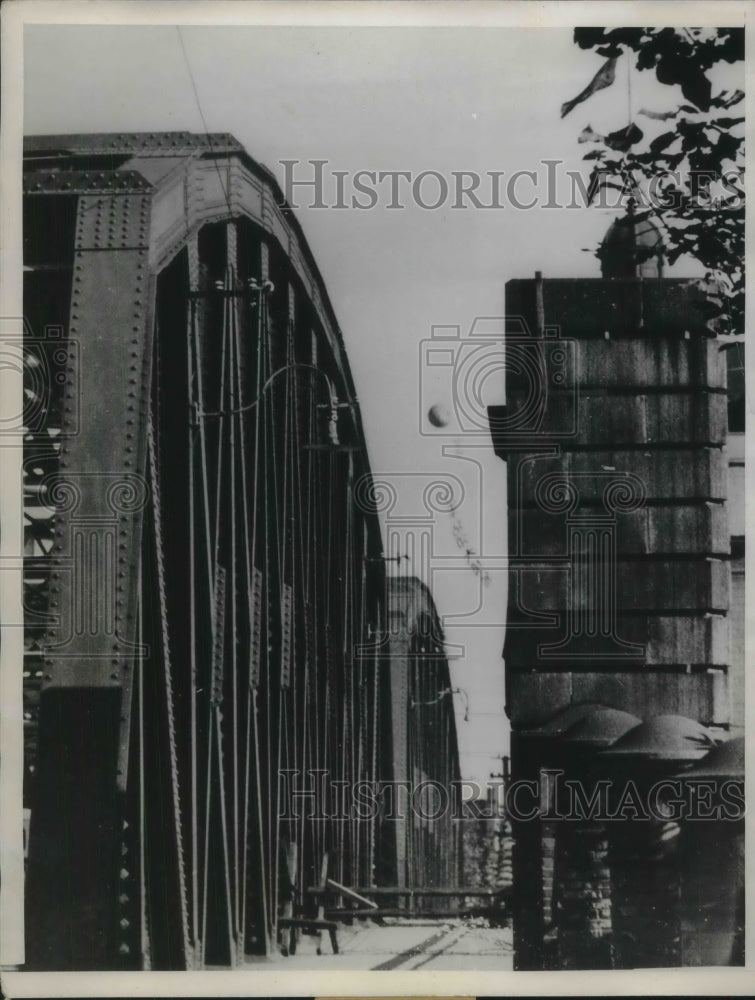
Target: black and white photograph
{"type": "Point", "coordinates": [373, 396]}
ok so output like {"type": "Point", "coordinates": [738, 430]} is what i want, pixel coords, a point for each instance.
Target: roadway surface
{"type": "Point", "coordinates": [407, 944]}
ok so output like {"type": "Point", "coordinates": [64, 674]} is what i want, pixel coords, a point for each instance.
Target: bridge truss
{"type": "Point", "coordinates": [202, 579]}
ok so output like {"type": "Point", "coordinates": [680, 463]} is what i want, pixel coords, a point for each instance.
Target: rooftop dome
{"type": "Point", "coordinates": [665, 737]}
{"type": "Point", "coordinates": [602, 727]}
{"type": "Point", "coordinates": [725, 761]}
{"type": "Point", "coordinates": [562, 722]}
{"type": "Point", "coordinates": [632, 247]}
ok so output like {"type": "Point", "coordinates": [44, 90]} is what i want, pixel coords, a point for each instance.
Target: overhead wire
{"type": "Point", "coordinates": [312, 544]}
{"type": "Point", "coordinates": [223, 186]}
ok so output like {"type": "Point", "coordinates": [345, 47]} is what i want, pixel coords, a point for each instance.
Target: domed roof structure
{"type": "Point", "coordinates": [665, 737]}
{"type": "Point", "coordinates": [602, 727]}
{"type": "Point", "coordinates": [562, 722]}
{"type": "Point", "coordinates": [725, 761]}
{"type": "Point", "coordinates": [632, 247]}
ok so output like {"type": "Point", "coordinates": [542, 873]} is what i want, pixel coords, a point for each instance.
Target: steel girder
{"type": "Point", "coordinates": [88, 863]}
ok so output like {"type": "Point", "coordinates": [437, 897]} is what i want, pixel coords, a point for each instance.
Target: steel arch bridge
{"type": "Point", "coordinates": [204, 579]}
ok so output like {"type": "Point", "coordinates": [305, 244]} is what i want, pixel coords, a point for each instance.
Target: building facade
{"type": "Point", "coordinates": [624, 577]}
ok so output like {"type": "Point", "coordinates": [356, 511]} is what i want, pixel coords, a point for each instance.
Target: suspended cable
{"type": "Point", "coordinates": [204, 123]}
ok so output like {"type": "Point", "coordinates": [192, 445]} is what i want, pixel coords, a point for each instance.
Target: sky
{"type": "Point", "coordinates": [408, 99]}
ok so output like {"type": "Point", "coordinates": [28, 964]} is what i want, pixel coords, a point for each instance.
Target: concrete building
{"type": "Point", "coordinates": [625, 464]}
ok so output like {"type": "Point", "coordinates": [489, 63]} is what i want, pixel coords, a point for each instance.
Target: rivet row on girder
{"type": "Point", "coordinates": [151, 142]}
{"type": "Point", "coordinates": [84, 181]}
{"type": "Point", "coordinates": [137, 376]}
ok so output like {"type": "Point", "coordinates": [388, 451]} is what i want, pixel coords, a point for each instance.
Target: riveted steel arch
{"type": "Point", "coordinates": [208, 580]}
